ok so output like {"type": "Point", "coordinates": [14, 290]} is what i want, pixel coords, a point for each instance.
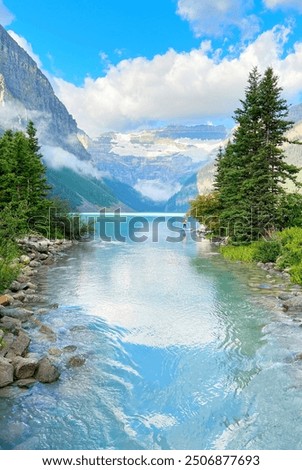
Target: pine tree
{"type": "Point", "coordinates": [251, 170]}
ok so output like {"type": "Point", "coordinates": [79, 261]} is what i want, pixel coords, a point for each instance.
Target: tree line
{"type": "Point", "coordinates": [249, 201]}
{"type": "Point", "coordinates": [26, 204]}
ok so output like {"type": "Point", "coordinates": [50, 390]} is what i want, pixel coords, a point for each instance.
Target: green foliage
{"type": "Point", "coordinates": [289, 212]}
{"type": "Point", "coordinates": [238, 253]}
{"type": "Point", "coordinates": [291, 241]}
{"type": "Point", "coordinates": [264, 251]}
{"type": "Point", "coordinates": [252, 169]}
{"type": "Point", "coordinates": [285, 249]}
{"type": "Point", "coordinates": [24, 203]}
{"type": "Point", "coordinates": [63, 224]}
{"type": "Point", "coordinates": [205, 208]}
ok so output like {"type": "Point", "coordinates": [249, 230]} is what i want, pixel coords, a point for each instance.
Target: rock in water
{"type": "Point", "coordinates": [25, 367]}
{"type": "Point", "coordinates": [47, 372]}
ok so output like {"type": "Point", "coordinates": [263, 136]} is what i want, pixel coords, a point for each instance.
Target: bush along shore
{"type": "Point", "coordinates": [19, 313]}
{"type": "Point", "coordinates": [281, 257]}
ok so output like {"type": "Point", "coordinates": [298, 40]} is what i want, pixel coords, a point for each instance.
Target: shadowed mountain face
{"type": "Point", "coordinates": [25, 93]}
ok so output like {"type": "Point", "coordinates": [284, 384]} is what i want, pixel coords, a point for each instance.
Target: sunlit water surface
{"type": "Point", "coordinates": [180, 354]}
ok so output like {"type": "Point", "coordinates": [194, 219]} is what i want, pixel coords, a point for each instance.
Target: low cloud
{"type": "Point", "coordinates": [157, 190]}
{"type": "Point", "coordinates": [216, 18]}
{"type": "Point", "coordinates": [178, 86]}
{"type": "Point", "coordinates": [58, 158]}
{"type": "Point", "coordinates": [6, 17]}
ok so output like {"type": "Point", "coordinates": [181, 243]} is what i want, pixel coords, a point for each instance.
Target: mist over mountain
{"type": "Point", "coordinates": [147, 170]}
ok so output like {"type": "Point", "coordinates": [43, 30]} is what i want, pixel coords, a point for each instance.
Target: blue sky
{"type": "Point", "coordinates": [126, 64]}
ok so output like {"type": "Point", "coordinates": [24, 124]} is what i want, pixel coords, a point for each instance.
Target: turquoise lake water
{"type": "Point", "coordinates": [180, 354]}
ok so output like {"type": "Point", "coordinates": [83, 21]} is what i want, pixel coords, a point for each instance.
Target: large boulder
{"type": "Point", "coordinates": [6, 372]}
{"type": "Point", "coordinates": [13, 325]}
{"type": "Point", "coordinates": [47, 372]}
{"type": "Point", "coordinates": [21, 314]}
{"type": "Point", "coordinates": [25, 367]}
{"type": "Point", "coordinates": [19, 346]}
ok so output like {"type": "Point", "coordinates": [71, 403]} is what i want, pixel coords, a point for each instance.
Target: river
{"type": "Point", "coordinates": [179, 354]}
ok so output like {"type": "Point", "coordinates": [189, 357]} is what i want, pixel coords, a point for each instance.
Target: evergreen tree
{"type": "Point", "coordinates": [251, 170]}
{"type": "Point", "coordinates": [23, 186]}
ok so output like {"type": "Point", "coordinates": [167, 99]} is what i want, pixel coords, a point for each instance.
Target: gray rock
{"type": "Point", "coordinates": [24, 259]}
{"type": "Point", "coordinates": [43, 246]}
{"type": "Point", "coordinates": [13, 325]}
{"type": "Point", "coordinates": [47, 372]}
{"type": "Point", "coordinates": [48, 262]}
{"type": "Point", "coordinates": [46, 330]}
{"type": "Point", "coordinates": [76, 361]}
{"type": "Point", "coordinates": [6, 343]}
{"type": "Point", "coordinates": [15, 286]}
{"type": "Point", "coordinates": [34, 298]}
{"type": "Point", "coordinates": [22, 314]}
{"type": "Point", "coordinates": [55, 352]}
{"type": "Point", "coordinates": [25, 383]}
{"type": "Point", "coordinates": [285, 296]}
{"type": "Point", "coordinates": [6, 372]}
{"type": "Point", "coordinates": [19, 296]}
{"type": "Point", "coordinates": [34, 264]}
{"type": "Point", "coordinates": [19, 346]}
{"type": "Point", "coordinates": [30, 291]}
{"type": "Point", "coordinates": [43, 256]}
{"type": "Point", "coordinates": [28, 285]}
{"type": "Point", "coordinates": [293, 304]}
{"type": "Point", "coordinates": [70, 348]}
{"type": "Point", "coordinates": [25, 367]}
{"type": "Point", "coordinates": [22, 279]}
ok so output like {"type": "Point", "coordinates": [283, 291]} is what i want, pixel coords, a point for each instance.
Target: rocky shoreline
{"type": "Point", "coordinates": [19, 313]}
{"type": "Point", "coordinates": [288, 296]}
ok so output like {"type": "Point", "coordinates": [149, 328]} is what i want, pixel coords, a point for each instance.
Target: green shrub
{"type": "Point", "coordinates": [296, 273]}
{"type": "Point", "coordinates": [266, 251]}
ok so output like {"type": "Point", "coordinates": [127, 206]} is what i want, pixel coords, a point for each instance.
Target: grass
{"type": "Point", "coordinates": [8, 269]}
{"type": "Point", "coordinates": [285, 249]}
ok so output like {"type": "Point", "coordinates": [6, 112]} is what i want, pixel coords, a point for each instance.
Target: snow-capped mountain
{"type": "Point", "coordinates": [156, 162]}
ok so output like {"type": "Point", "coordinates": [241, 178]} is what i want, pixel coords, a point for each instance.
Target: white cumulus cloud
{"type": "Point", "coordinates": [178, 86]}
{"type": "Point", "coordinates": [284, 4]}
{"type": "Point", "coordinates": [214, 18]}
{"type": "Point", "coordinates": [6, 17]}
{"type": "Point", "coordinates": [156, 189]}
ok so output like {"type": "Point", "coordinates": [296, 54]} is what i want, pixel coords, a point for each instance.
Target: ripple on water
{"type": "Point", "coordinates": [179, 355]}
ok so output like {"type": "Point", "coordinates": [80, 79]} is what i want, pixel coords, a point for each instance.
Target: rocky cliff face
{"type": "Point", "coordinates": [25, 93]}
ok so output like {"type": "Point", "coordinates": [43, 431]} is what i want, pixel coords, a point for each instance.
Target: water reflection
{"type": "Point", "coordinates": [178, 356]}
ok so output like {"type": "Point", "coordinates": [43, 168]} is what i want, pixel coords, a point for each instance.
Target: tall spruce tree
{"type": "Point", "coordinates": [252, 169]}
